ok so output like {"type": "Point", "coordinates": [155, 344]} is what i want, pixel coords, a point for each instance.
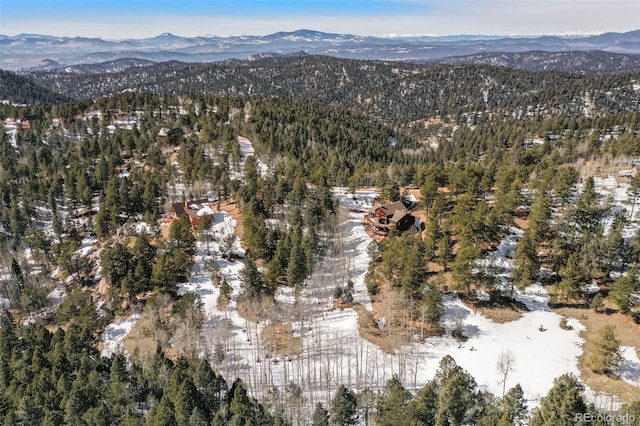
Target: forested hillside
{"type": "Point", "coordinates": [20, 90]}
{"type": "Point", "coordinates": [590, 61]}
{"type": "Point", "coordinates": [388, 91]}
{"type": "Point", "coordinates": [205, 223]}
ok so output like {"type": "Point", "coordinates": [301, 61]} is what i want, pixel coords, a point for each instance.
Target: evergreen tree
{"type": "Point", "coordinates": [623, 288]}
{"type": "Point", "coordinates": [252, 283]}
{"type": "Point", "coordinates": [573, 278]}
{"type": "Point", "coordinates": [561, 404]}
{"type": "Point", "coordinates": [587, 213]}
{"type": "Point", "coordinates": [515, 406]}
{"type": "Point", "coordinates": [414, 271]}
{"type": "Point", "coordinates": [633, 192]}
{"type": "Point", "coordinates": [161, 414]}
{"type": "Point", "coordinates": [462, 266]}
{"type": "Point", "coordinates": [143, 257]}
{"type": "Point", "coordinates": [320, 416]}
{"type": "Point", "coordinates": [432, 303]}
{"type": "Point", "coordinates": [433, 234]}
{"type": "Point", "coordinates": [297, 269]}
{"type": "Point", "coordinates": [627, 411]}
{"type": "Point", "coordinates": [565, 179]}
{"type": "Point", "coordinates": [254, 228]}
{"type": "Point", "coordinates": [391, 404]}
{"type": "Point", "coordinates": [613, 250]}
{"type": "Point", "coordinates": [606, 356]}
{"type": "Point", "coordinates": [539, 219]}
{"type": "Point", "coordinates": [181, 237]}
{"type": "Point", "coordinates": [344, 408]}
{"type": "Point", "coordinates": [526, 266]}
{"type": "Point", "coordinates": [445, 249]}
{"type": "Point", "coordinates": [458, 398]}
{"type": "Point", "coordinates": [424, 405]}
{"type": "Point", "coordinates": [597, 303]}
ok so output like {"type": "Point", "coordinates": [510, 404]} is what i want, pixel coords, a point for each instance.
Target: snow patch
{"type": "Point", "coordinates": [115, 333]}
{"type": "Point", "coordinates": [630, 367]}
{"type": "Point", "coordinates": [483, 296]}
{"type": "Point", "coordinates": [87, 246]}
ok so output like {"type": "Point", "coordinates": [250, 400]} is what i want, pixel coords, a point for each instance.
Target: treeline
{"type": "Point", "coordinates": [54, 378]}
{"type": "Point", "coordinates": [58, 377]}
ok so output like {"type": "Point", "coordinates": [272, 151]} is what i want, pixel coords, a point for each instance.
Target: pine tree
{"type": "Point", "coordinates": [606, 356]}
{"type": "Point", "coordinates": [526, 266]}
{"type": "Point", "coordinates": [565, 179]}
{"type": "Point", "coordinates": [462, 266]}
{"type": "Point", "coordinates": [573, 278]}
{"type": "Point", "coordinates": [445, 249]}
{"type": "Point", "coordinates": [344, 408]}
{"type": "Point", "coordinates": [432, 303]}
{"type": "Point", "coordinates": [252, 283]}
{"type": "Point", "coordinates": [161, 414]}
{"type": "Point", "coordinates": [254, 228]}
{"type": "Point", "coordinates": [560, 406]}
{"type": "Point", "coordinates": [320, 416]}
{"type": "Point", "coordinates": [29, 412]}
{"type": "Point", "coordinates": [181, 237]}
{"type": "Point", "coordinates": [597, 303]}
{"type": "Point", "coordinates": [414, 271]}
{"type": "Point", "coordinates": [433, 234]}
{"type": "Point", "coordinates": [458, 399]}
{"type": "Point", "coordinates": [391, 404]}
{"type": "Point", "coordinates": [297, 268]}
{"type": "Point", "coordinates": [515, 405]}
{"type": "Point", "coordinates": [424, 405]}
{"type": "Point", "coordinates": [587, 213]}
{"type": "Point", "coordinates": [143, 256]}
{"type": "Point", "coordinates": [211, 386]}
{"type": "Point", "coordinates": [623, 288]}
{"type": "Point", "coordinates": [627, 411]}
{"type": "Point", "coordinates": [613, 249]}
{"type": "Point", "coordinates": [539, 219]}
{"type": "Point", "coordinates": [633, 192]}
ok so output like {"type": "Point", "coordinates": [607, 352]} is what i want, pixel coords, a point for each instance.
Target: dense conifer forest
{"type": "Point", "coordinates": [487, 149]}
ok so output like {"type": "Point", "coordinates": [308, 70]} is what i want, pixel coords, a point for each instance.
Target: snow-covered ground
{"type": "Point", "coordinates": [87, 246]}
{"type": "Point", "coordinates": [332, 350]}
{"type": "Point", "coordinates": [630, 367]}
{"type": "Point", "coordinates": [115, 333]}
{"type": "Point", "coordinates": [11, 129]}
{"type": "Point", "coordinates": [246, 147]}
{"type": "Point", "coordinates": [542, 350]}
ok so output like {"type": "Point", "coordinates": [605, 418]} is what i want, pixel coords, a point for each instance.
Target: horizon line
{"type": "Point", "coordinates": [567, 34]}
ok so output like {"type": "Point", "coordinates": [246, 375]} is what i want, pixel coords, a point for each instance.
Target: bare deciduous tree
{"type": "Point", "coordinates": [505, 365]}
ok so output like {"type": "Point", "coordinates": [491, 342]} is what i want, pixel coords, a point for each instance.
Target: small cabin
{"type": "Point", "coordinates": [172, 136]}
{"type": "Point", "coordinates": [28, 121]}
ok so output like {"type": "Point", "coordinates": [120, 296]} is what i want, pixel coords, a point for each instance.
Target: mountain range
{"type": "Point", "coordinates": [28, 52]}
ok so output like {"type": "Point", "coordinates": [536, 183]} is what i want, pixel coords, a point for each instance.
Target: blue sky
{"type": "Point", "coordinates": [118, 19]}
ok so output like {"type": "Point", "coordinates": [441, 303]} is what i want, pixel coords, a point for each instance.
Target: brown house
{"type": "Point", "coordinates": [382, 218]}
{"type": "Point", "coordinates": [170, 135]}
{"type": "Point", "coordinates": [194, 210]}
{"type": "Point", "coordinates": [27, 122]}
